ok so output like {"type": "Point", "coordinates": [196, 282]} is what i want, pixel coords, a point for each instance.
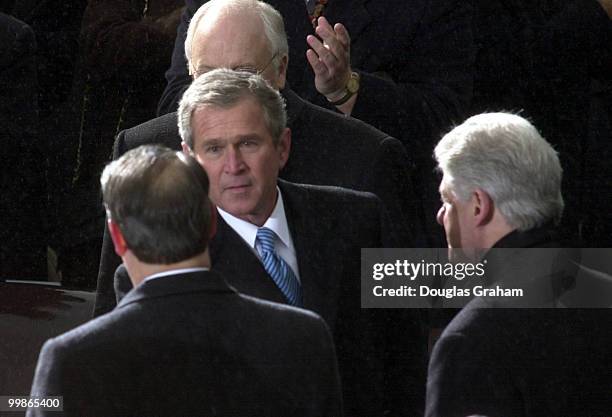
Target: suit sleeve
{"type": "Point", "coordinates": [431, 86]}
{"type": "Point", "coordinates": [109, 261]}
{"type": "Point", "coordinates": [177, 76]}
{"type": "Point", "coordinates": [330, 386]}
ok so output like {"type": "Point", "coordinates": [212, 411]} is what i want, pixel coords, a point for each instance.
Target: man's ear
{"type": "Point", "coordinates": [117, 237]}
{"type": "Point", "coordinates": [483, 207]}
{"type": "Point", "coordinates": [186, 149]}
{"type": "Point", "coordinates": [282, 72]}
{"type": "Point", "coordinates": [284, 146]}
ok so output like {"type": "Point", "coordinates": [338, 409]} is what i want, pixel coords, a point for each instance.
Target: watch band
{"type": "Point", "coordinates": [350, 90]}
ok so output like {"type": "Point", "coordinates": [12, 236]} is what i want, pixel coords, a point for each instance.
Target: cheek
{"type": "Point", "coordinates": [440, 216]}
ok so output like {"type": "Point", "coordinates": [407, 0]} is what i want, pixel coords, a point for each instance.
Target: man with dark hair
{"type": "Point", "coordinates": [183, 342]}
{"type": "Point", "coordinates": [293, 243]}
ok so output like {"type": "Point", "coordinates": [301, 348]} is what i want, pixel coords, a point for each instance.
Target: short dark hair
{"type": "Point", "coordinates": [159, 200]}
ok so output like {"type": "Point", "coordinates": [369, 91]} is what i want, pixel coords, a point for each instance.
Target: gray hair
{"type": "Point", "coordinates": [504, 155]}
{"type": "Point", "coordinates": [224, 88]}
{"type": "Point", "coordinates": [274, 26]}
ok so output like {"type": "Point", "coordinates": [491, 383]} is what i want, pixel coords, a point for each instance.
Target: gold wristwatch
{"type": "Point", "coordinates": [352, 86]}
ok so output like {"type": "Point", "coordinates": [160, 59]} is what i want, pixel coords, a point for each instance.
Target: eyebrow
{"type": "Point", "coordinates": [235, 139]}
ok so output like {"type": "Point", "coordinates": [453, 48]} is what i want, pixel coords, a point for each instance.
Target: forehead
{"type": "Point", "coordinates": [227, 39]}
{"type": "Point", "coordinates": [242, 119]}
{"type": "Point", "coordinates": [445, 187]}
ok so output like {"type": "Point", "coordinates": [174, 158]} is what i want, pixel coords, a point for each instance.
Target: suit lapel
{"type": "Point", "coordinates": [234, 259]}
{"type": "Point", "coordinates": [317, 251]}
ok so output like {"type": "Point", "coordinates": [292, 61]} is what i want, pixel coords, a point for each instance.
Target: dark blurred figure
{"type": "Point", "coordinates": [125, 47]}
{"type": "Point", "coordinates": [22, 242]}
{"type": "Point", "coordinates": [553, 60]}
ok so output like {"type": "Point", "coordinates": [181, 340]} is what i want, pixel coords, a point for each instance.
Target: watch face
{"type": "Point", "coordinates": [353, 83]}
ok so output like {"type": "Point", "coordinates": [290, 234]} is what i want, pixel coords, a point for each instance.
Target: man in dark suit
{"type": "Point", "coordinates": [405, 67]}
{"type": "Point", "coordinates": [234, 124]}
{"type": "Point", "coordinates": [327, 149]}
{"type": "Point", "coordinates": [183, 342]}
{"type": "Point", "coordinates": [501, 193]}
{"type": "Point", "coordinates": [414, 59]}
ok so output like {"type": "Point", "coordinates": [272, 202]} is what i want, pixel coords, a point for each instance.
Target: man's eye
{"type": "Point", "coordinates": [249, 145]}
{"type": "Point", "coordinates": [213, 149]}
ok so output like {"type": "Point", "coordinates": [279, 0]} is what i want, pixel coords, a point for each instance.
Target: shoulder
{"type": "Point", "coordinates": [162, 130]}
{"type": "Point", "coordinates": [323, 123]}
{"type": "Point", "coordinates": [292, 322]}
{"type": "Point", "coordinates": [79, 342]}
{"type": "Point", "coordinates": [328, 196]}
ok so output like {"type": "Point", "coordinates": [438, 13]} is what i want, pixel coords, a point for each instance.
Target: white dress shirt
{"type": "Point", "coordinates": [277, 222]}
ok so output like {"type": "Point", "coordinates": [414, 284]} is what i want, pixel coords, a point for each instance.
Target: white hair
{"type": "Point", "coordinates": [274, 26]}
{"type": "Point", "coordinates": [504, 155]}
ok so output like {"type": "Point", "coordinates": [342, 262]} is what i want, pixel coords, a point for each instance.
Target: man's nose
{"type": "Point", "coordinates": [234, 164]}
{"type": "Point", "coordinates": [440, 215]}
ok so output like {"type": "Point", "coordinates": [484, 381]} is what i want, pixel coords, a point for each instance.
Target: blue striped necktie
{"type": "Point", "coordinates": [277, 268]}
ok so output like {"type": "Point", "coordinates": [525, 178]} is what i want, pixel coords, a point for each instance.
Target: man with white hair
{"type": "Point", "coordinates": [501, 184]}
{"type": "Point", "coordinates": [326, 148]}
{"type": "Point", "coordinates": [501, 194]}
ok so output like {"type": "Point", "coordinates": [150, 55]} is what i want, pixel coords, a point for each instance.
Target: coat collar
{"type": "Point", "coordinates": [200, 281]}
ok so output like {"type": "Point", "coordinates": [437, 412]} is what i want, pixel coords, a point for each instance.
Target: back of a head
{"type": "Point", "coordinates": [273, 24]}
{"type": "Point", "coordinates": [159, 200]}
{"type": "Point", "coordinates": [504, 155]}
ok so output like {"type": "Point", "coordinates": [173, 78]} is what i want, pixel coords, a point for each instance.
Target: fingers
{"type": "Point", "coordinates": [324, 51]}
{"type": "Point", "coordinates": [329, 56]}
{"type": "Point", "coordinates": [317, 65]}
{"type": "Point", "coordinates": [342, 35]}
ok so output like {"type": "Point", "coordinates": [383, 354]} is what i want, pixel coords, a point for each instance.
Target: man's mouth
{"type": "Point", "coordinates": [237, 187]}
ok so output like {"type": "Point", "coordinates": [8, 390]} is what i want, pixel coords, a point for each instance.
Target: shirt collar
{"type": "Point", "coordinates": [277, 222]}
{"type": "Point", "coordinates": [175, 272]}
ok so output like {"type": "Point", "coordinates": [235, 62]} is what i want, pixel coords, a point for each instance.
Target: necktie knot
{"type": "Point", "coordinates": [266, 239]}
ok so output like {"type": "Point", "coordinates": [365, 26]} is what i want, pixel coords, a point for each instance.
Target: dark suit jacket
{"type": "Point", "coordinates": [190, 344]}
{"type": "Point", "coordinates": [380, 353]}
{"type": "Point", "coordinates": [326, 149]}
{"type": "Point", "coordinates": [498, 361]}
